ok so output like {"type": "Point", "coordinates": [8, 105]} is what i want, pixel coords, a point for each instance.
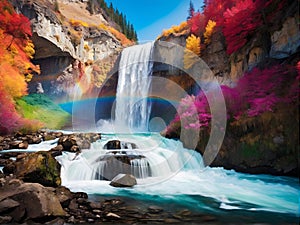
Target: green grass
{"type": "Point", "coordinates": [40, 107]}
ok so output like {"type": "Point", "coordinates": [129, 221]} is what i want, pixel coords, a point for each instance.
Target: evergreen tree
{"type": "Point", "coordinates": [191, 10]}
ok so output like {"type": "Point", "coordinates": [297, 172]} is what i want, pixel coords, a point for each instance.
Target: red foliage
{"type": "Point", "coordinates": [256, 92]}
{"type": "Point", "coordinates": [197, 23]}
{"type": "Point", "coordinates": [13, 24]}
{"type": "Point", "coordinates": [16, 49]}
{"type": "Point", "coordinates": [215, 9]}
{"type": "Point", "coordinates": [241, 22]}
{"type": "Point", "coordinates": [9, 118]}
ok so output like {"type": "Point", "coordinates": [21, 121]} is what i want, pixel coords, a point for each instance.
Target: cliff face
{"type": "Point", "coordinates": [68, 54]}
{"type": "Point", "coordinates": [266, 143]}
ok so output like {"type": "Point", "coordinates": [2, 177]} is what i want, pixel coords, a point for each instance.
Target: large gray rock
{"type": "Point", "coordinates": [123, 180]}
{"type": "Point", "coordinates": [39, 167]}
{"type": "Point", "coordinates": [286, 41]}
{"type": "Point", "coordinates": [28, 201]}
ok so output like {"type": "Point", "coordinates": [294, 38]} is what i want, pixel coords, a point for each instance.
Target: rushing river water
{"type": "Point", "coordinates": [168, 174]}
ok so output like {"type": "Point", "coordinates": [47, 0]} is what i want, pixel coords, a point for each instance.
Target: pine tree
{"type": "Point", "coordinates": [191, 10]}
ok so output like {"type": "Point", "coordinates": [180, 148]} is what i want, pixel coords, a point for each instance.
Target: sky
{"type": "Point", "coordinates": [151, 17]}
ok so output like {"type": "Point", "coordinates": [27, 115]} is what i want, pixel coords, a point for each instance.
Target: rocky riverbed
{"type": "Point", "coordinates": [31, 191]}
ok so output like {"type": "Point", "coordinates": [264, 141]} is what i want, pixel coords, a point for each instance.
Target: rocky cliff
{"type": "Point", "coordinates": [70, 47]}
{"type": "Point", "coordinates": [265, 143]}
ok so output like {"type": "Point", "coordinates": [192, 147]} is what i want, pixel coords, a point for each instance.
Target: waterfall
{"type": "Point", "coordinates": [135, 69]}
{"type": "Point", "coordinates": [154, 156]}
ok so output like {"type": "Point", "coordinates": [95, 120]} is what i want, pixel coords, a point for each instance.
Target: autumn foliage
{"type": "Point", "coordinates": [192, 50]}
{"type": "Point", "coordinates": [209, 29]}
{"type": "Point", "coordinates": [120, 36]}
{"type": "Point", "coordinates": [241, 21]}
{"type": "Point", "coordinates": [257, 92]}
{"type": "Point", "coordinates": [16, 50]}
{"type": "Point", "coordinates": [181, 29]}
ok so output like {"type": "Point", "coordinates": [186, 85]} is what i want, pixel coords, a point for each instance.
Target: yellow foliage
{"type": "Point", "coordinates": [193, 44]}
{"type": "Point", "coordinates": [180, 29]}
{"type": "Point", "coordinates": [29, 49]}
{"type": "Point", "coordinates": [192, 51]}
{"type": "Point", "coordinates": [208, 31]}
{"type": "Point", "coordinates": [78, 23]}
{"type": "Point", "coordinates": [102, 26]}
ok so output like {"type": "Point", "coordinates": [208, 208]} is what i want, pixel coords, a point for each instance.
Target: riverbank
{"type": "Point", "coordinates": [32, 191]}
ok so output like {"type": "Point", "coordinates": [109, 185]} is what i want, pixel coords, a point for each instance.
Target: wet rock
{"type": "Point", "coordinates": [155, 209]}
{"type": "Point", "coordinates": [116, 164]}
{"type": "Point", "coordinates": [29, 201]}
{"type": "Point", "coordinates": [48, 136]}
{"type": "Point", "coordinates": [170, 220]}
{"type": "Point", "coordinates": [67, 142]}
{"type": "Point", "coordinates": [8, 204]}
{"type": "Point", "coordinates": [34, 139]}
{"type": "Point", "coordinates": [18, 145]}
{"type": "Point", "coordinates": [5, 219]}
{"type": "Point", "coordinates": [58, 148]}
{"type": "Point", "coordinates": [80, 195]}
{"type": "Point", "coordinates": [112, 215]}
{"type": "Point", "coordinates": [116, 144]}
{"type": "Point", "coordinates": [39, 167]}
{"type": "Point", "coordinates": [96, 206]}
{"type": "Point", "coordinates": [77, 142]}
{"type": "Point", "coordinates": [9, 168]}
{"type": "Point", "coordinates": [123, 180]}
{"type": "Point", "coordinates": [64, 195]}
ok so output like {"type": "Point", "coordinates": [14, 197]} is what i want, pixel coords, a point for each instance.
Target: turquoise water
{"type": "Point", "coordinates": [181, 181]}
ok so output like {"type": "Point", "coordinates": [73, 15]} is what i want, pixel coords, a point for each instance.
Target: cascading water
{"type": "Point", "coordinates": [164, 169]}
{"type": "Point", "coordinates": [135, 69]}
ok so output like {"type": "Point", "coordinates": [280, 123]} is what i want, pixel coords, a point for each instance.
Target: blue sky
{"type": "Point", "coordinates": [150, 17]}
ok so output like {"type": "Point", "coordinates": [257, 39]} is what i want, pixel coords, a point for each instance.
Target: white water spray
{"type": "Point", "coordinates": [135, 69]}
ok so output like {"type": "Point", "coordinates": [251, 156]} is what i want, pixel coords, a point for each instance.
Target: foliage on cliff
{"type": "Point", "coordinates": [16, 50]}
{"type": "Point", "coordinates": [191, 51]}
{"type": "Point", "coordinates": [262, 102]}
{"type": "Point", "coordinates": [238, 21]}
{"type": "Point", "coordinates": [123, 25]}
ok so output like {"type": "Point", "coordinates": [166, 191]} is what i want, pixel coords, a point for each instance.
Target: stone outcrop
{"type": "Point", "coordinates": [38, 167]}
{"type": "Point", "coordinates": [123, 180]}
{"type": "Point", "coordinates": [28, 201]}
{"type": "Point", "coordinates": [110, 165]}
{"type": "Point", "coordinates": [256, 146]}
{"type": "Point", "coordinates": [286, 41]}
{"type": "Point", "coordinates": [65, 53]}
{"type": "Point", "coordinates": [76, 142]}
{"type": "Point", "coordinates": [116, 144]}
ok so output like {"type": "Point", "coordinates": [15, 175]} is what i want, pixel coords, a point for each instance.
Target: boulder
{"type": "Point", "coordinates": [123, 180]}
{"type": "Point", "coordinates": [39, 167]}
{"type": "Point", "coordinates": [285, 42]}
{"type": "Point", "coordinates": [116, 144]}
{"type": "Point", "coordinates": [64, 196]}
{"type": "Point", "coordinates": [18, 145]}
{"type": "Point", "coordinates": [28, 201]}
{"type": "Point", "coordinates": [110, 165]}
{"type": "Point", "coordinates": [76, 142]}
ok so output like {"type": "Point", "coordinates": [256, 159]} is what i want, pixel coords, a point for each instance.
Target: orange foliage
{"type": "Point", "coordinates": [120, 36]}
{"type": "Point", "coordinates": [193, 44]}
{"type": "Point", "coordinates": [16, 50]}
{"type": "Point", "coordinates": [77, 23]}
{"type": "Point", "coordinates": [182, 28]}
{"type": "Point", "coordinates": [191, 51]}
{"type": "Point", "coordinates": [209, 30]}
